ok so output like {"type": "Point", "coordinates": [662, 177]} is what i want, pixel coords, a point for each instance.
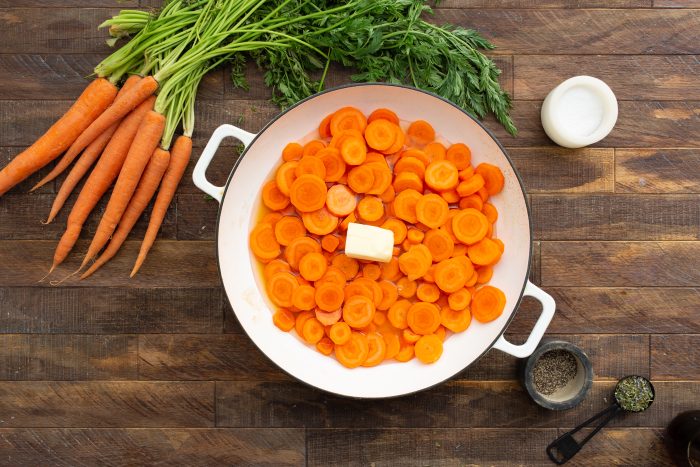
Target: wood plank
{"type": "Point", "coordinates": [169, 264]}
{"type": "Point", "coordinates": [456, 404]}
{"type": "Point", "coordinates": [620, 264]}
{"type": "Point", "coordinates": [7, 154]}
{"type": "Point", "coordinates": [39, 404]}
{"type": "Point", "coordinates": [23, 218]}
{"type": "Point", "coordinates": [616, 217]}
{"type": "Point", "coordinates": [436, 447]}
{"type": "Point", "coordinates": [639, 124]}
{"type": "Point", "coordinates": [98, 310]}
{"type": "Point", "coordinates": [152, 446]}
{"type": "Point", "coordinates": [217, 173]}
{"type": "Point", "coordinates": [657, 171]}
{"type": "Point", "coordinates": [586, 310]}
{"type": "Point", "coordinates": [204, 357]}
{"type": "Point", "coordinates": [72, 3]}
{"type": "Point", "coordinates": [676, 3]}
{"type": "Point", "coordinates": [599, 31]}
{"type": "Point", "coordinates": [603, 351]}
{"type": "Point", "coordinates": [560, 170]}
{"type": "Point", "coordinates": [675, 357]}
{"type": "Point", "coordinates": [198, 220]}
{"type": "Point", "coordinates": [67, 357]}
{"type": "Point", "coordinates": [54, 30]}
{"type": "Point", "coordinates": [631, 446]}
{"type": "Point", "coordinates": [545, 4]}
{"type": "Point", "coordinates": [535, 267]}
{"type": "Point", "coordinates": [631, 77]}
{"type": "Point", "coordinates": [248, 114]}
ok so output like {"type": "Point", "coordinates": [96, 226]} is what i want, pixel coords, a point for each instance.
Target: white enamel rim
{"type": "Point", "coordinates": [239, 202]}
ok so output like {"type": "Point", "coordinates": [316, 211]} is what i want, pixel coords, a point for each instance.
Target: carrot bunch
{"type": "Point", "coordinates": [376, 171]}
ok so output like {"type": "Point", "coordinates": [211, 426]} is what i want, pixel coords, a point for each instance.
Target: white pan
{"type": "Point", "coordinates": [239, 204]}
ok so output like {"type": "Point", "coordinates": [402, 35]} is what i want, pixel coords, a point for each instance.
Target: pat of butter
{"type": "Point", "coordinates": [369, 242]}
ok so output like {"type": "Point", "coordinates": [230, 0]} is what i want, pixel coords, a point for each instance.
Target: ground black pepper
{"type": "Point", "coordinates": [553, 370]}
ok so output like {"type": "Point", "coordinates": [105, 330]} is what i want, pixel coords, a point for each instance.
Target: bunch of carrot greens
{"type": "Point", "coordinates": [123, 135]}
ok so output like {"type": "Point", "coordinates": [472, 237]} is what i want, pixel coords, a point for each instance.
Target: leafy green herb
{"type": "Point", "coordinates": [634, 393]}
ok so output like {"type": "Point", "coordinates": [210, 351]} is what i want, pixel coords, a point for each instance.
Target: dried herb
{"type": "Point", "coordinates": [634, 393]}
{"type": "Point", "coordinates": [553, 371]}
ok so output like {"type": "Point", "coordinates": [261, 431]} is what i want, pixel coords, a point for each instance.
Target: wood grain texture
{"type": "Point", "coordinates": [204, 357]}
{"type": "Point", "coordinates": [198, 221]}
{"type": "Point", "coordinates": [151, 446]}
{"type": "Point", "coordinates": [584, 310]}
{"type": "Point", "coordinates": [616, 217]}
{"type": "Point", "coordinates": [662, 77]}
{"type": "Point", "coordinates": [217, 172]}
{"type": "Point", "coordinates": [603, 350]}
{"type": "Point", "coordinates": [620, 264]}
{"type": "Point", "coordinates": [676, 3]}
{"type": "Point", "coordinates": [67, 357]}
{"type": "Point", "coordinates": [435, 447]}
{"type": "Point", "coordinates": [97, 310]}
{"type": "Point", "coordinates": [456, 404]}
{"type": "Point", "coordinates": [169, 264]}
{"type": "Point", "coordinates": [675, 357]}
{"type": "Point", "coordinates": [72, 3]}
{"type": "Point", "coordinates": [643, 447]}
{"type": "Point", "coordinates": [596, 31]}
{"type": "Point", "coordinates": [535, 266]}
{"type": "Point", "coordinates": [559, 170]}
{"type": "Point", "coordinates": [481, 4]}
{"type": "Point", "coordinates": [134, 404]}
{"type": "Point", "coordinates": [250, 115]}
{"type": "Point", "coordinates": [657, 171]}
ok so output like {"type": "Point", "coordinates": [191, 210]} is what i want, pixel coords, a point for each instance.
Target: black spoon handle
{"type": "Point", "coordinates": [565, 447]}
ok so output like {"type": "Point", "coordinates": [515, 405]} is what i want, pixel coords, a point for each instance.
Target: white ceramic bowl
{"type": "Point", "coordinates": [239, 204]}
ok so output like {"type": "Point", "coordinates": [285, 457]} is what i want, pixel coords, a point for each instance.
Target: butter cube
{"type": "Point", "coordinates": [369, 242]}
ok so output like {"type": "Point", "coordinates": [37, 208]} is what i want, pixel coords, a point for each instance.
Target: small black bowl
{"type": "Point", "coordinates": [573, 393]}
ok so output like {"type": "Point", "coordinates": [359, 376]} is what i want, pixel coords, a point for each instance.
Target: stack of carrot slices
{"type": "Point", "coordinates": [369, 170]}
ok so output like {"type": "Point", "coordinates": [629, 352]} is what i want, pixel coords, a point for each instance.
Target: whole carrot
{"type": "Point", "coordinates": [115, 112]}
{"type": "Point", "coordinates": [142, 196]}
{"type": "Point", "coordinates": [92, 102]}
{"type": "Point", "coordinates": [179, 158]}
{"type": "Point", "coordinates": [99, 181]}
{"type": "Point", "coordinates": [95, 148]}
{"type": "Point", "coordinates": [141, 150]}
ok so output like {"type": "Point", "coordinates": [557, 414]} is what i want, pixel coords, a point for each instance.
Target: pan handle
{"type": "Point", "coordinates": [200, 170]}
{"type": "Point", "coordinates": [548, 308]}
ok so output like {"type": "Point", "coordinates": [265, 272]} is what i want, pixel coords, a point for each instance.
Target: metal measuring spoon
{"type": "Point", "coordinates": [632, 394]}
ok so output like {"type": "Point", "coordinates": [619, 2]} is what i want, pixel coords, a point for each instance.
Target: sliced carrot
{"type": "Point", "coordinates": [281, 287]}
{"type": "Point", "coordinates": [407, 181]}
{"type": "Point", "coordinates": [398, 314]}
{"type": "Point", "coordinates": [271, 218]}
{"type": "Point", "coordinates": [301, 319]}
{"type": "Point", "coordinates": [466, 174]}
{"type": "Point", "coordinates": [405, 205]}
{"type": "Point", "coordinates": [423, 318]}
{"type": "Point", "coordinates": [371, 271]}
{"type": "Point", "coordinates": [340, 200]}
{"type": "Point", "coordinates": [330, 243]}
{"type": "Point", "coordinates": [344, 224]}
{"type": "Point", "coordinates": [337, 140]}
{"type": "Point", "coordinates": [347, 118]}
{"type": "Point", "coordinates": [460, 299]}
{"type": "Point", "coordinates": [324, 128]}
{"type": "Point", "coordinates": [320, 222]}
{"type": "Point", "coordinates": [310, 165]}
{"type": "Point", "coordinates": [382, 178]}
{"type": "Point", "coordinates": [333, 163]}
{"type": "Point", "coordinates": [471, 201]}
{"type": "Point", "coordinates": [313, 266]}
{"type": "Point", "coordinates": [435, 151]}
{"type": "Point", "coordinates": [430, 275]}
{"type": "Point", "coordinates": [406, 287]}
{"type": "Point", "coordinates": [427, 292]}
{"type": "Point", "coordinates": [410, 164]}
{"type": "Point", "coordinates": [285, 176]}
{"type": "Point", "coordinates": [484, 194]}
{"type": "Point", "coordinates": [329, 296]}
{"type": "Point", "coordinates": [358, 311]}
{"type": "Point", "coordinates": [303, 297]}
{"type": "Point", "coordinates": [340, 333]}
{"type": "Point", "coordinates": [469, 226]}
{"type": "Point", "coordinates": [283, 319]}
{"type": "Point", "coordinates": [312, 331]}
{"type": "Point", "coordinates": [288, 228]}
{"type": "Point", "coordinates": [472, 280]}
{"type": "Point", "coordinates": [488, 304]}
{"type": "Point", "coordinates": [421, 132]}
{"type": "Point", "coordinates": [410, 336]}
{"type": "Point", "coordinates": [470, 186]}
{"type": "Point", "coordinates": [312, 148]}
{"type": "Point", "coordinates": [451, 196]}
{"type": "Point", "coordinates": [348, 265]}
{"type": "Point", "coordinates": [455, 320]}
{"type": "Point", "coordinates": [460, 155]}
{"type": "Point", "coordinates": [358, 288]}
{"type": "Point", "coordinates": [439, 243]}
{"type": "Point", "coordinates": [390, 270]}
{"type": "Point", "coordinates": [406, 352]}
{"type": "Point", "coordinates": [383, 114]}
{"type": "Point", "coordinates": [380, 134]}
{"type": "Point", "coordinates": [484, 252]}
{"type": "Point", "coordinates": [390, 294]}
{"type": "Point", "coordinates": [396, 226]}
{"type": "Point", "coordinates": [361, 179]}
{"type": "Point", "coordinates": [353, 150]}
{"type": "Point", "coordinates": [308, 193]}
{"type": "Point", "coordinates": [273, 197]}
{"type": "Point", "coordinates": [373, 287]}
{"type": "Point", "coordinates": [325, 346]}
{"type": "Point", "coordinates": [299, 247]}
{"type": "Point", "coordinates": [414, 263]}
{"type": "Point", "coordinates": [398, 142]}
{"type": "Point", "coordinates": [428, 349]}
{"type": "Point", "coordinates": [451, 274]}
{"type": "Point", "coordinates": [379, 319]}
{"type": "Point", "coordinates": [415, 236]}
{"type": "Point", "coordinates": [493, 177]}
{"type": "Point", "coordinates": [370, 208]}
{"type": "Point", "coordinates": [418, 154]}
{"type": "Point", "coordinates": [485, 274]}
{"type": "Point", "coordinates": [263, 243]}
{"type": "Point", "coordinates": [379, 158]}
{"type": "Point", "coordinates": [334, 275]}
{"type": "Point", "coordinates": [377, 349]}
{"type": "Point", "coordinates": [276, 265]}
{"type": "Point", "coordinates": [354, 352]}
{"type": "Point", "coordinates": [441, 333]}
{"type": "Point", "coordinates": [393, 344]}
{"type": "Point", "coordinates": [441, 175]}
{"type": "Point", "coordinates": [490, 211]}
{"type": "Point", "coordinates": [500, 244]}
{"type": "Point", "coordinates": [431, 210]}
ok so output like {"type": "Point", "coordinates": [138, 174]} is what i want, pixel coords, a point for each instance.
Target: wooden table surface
{"type": "Point", "coordinates": [156, 369]}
